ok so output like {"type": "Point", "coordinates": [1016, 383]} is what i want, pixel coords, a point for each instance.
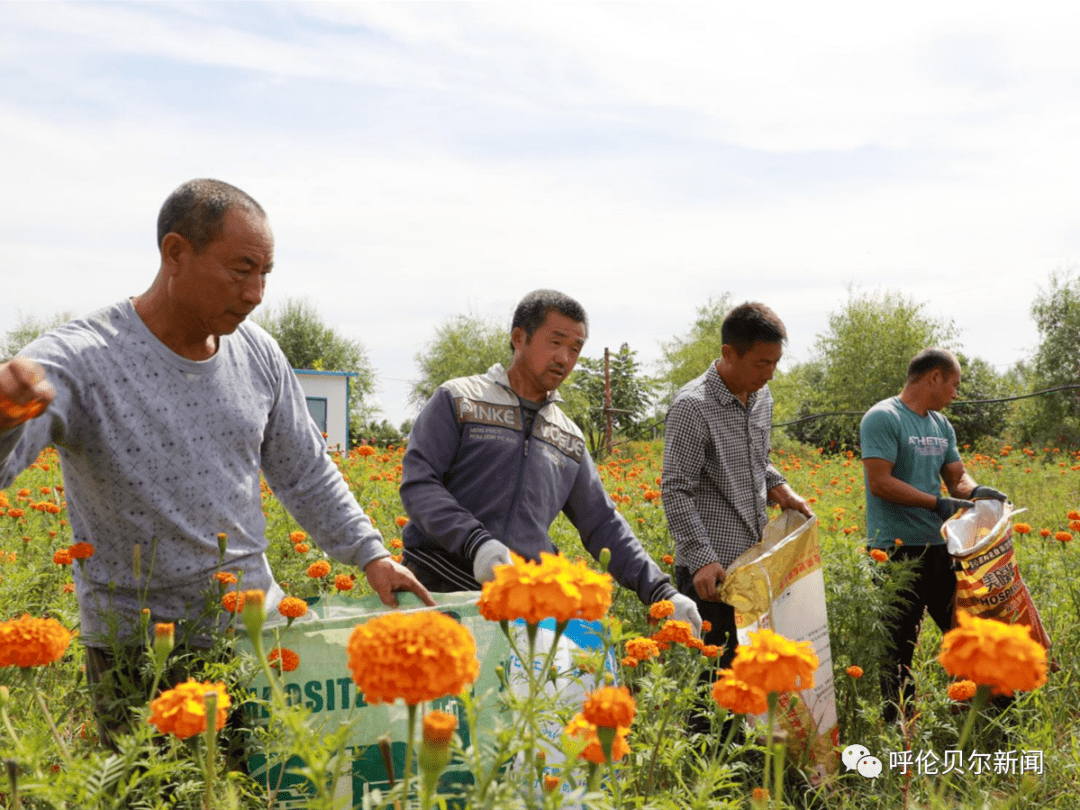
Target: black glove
{"type": "Point", "coordinates": [988, 492]}
{"type": "Point", "coordinates": [947, 507]}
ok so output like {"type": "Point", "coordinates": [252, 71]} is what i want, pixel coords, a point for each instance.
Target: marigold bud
{"type": "Point", "coordinates": [164, 641]}
{"type": "Point", "coordinates": [254, 611]}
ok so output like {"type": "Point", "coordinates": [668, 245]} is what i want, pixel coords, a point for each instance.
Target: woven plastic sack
{"type": "Point", "coordinates": [778, 583]}
{"type": "Point", "coordinates": [988, 581]}
{"type": "Point", "coordinates": [324, 684]}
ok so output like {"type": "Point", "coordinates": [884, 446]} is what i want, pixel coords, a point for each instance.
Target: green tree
{"type": "Point", "coordinates": [27, 329]}
{"type": "Point", "coordinates": [462, 345]}
{"type": "Point", "coordinates": [309, 343]}
{"type": "Point", "coordinates": [860, 359]}
{"type": "Point", "coordinates": [686, 357]}
{"type": "Point", "coordinates": [631, 395]}
{"type": "Point", "coordinates": [1056, 311]}
{"type": "Point", "coordinates": [972, 418]}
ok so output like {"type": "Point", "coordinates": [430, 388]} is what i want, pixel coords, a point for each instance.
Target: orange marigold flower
{"type": "Point", "coordinates": [301, 548]}
{"type": "Point", "coordinates": [318, 570]}
{"type": "Point", "coordinates": [233, 601]}
{"type": "Point", "coordinates": [182, 710]}
{"type": "Point", "coordinates": [439, 727]}
{"type": "Point", "coordinates": [738, 696]}
{"type": "Point", "coordinates": [297, 537]}
{"type": "Point", "coordinates": [991, 652]}
{"type": "Point", "coordinates": [879, 554]}
{"type": "Point", "coordinates": [365, 450]}
{"type": "Point", "coordinates": [855, 671]}
{"type": "Point", "coordinates": [1044, 532]}
{"type": "Point", "coordinates": [63, 557]}
{"type": "Point", "coordinates": [673, 632]}
{"type": "Point", "coordinates": [962, 690]}
{"type": "Point", "coordinates": [898, 542]}
{"type": "Point", "coordinates": [32, 642]}
{"type": "Point", "coordinates": [551, 782]}
{"type": "Point", "coordinates": [642, 648]}
{"type": "Point", "coordinates": [413, 656]}
{"type": "Point", "coordinates": [288, 659]}
{"type": "Point", "coordinates": [553, 588]}
{"type": "Point", "coordinates": [629, 661]}
{"type": "Point", "coordinates": [225, 578]}
{"type": "Point", "coordinates": [81, 551]}
{"type": "Point", "coordinates": [1063, 537]}
{"type": "Point", "coordinates": [396, 557]}
{"type": "Point", "coordinates": [343, 582]}
{"type": "Point", "coordinates": [668, 559]}
{"type": "Point", "coordinates": [396, 543]}
{"type": "Point", "coordinates": [16, 513]}
{"type": "Point", "coordinates": [609, 706]}
{"type": "Point", "coordinates": [401, 520]}
{"type": "Point", "coordinates": [1073, 514]}
{"type": "Point", "coordinates": [292, 608]}
{"type": "Point", "coordinates": [1022, 528]}
{"type": "Point", "coordinates": [706, 625]}
{"type": "Point", "coordinates": [594, 751]}
{"type": "Point", "coordinates": [69, 587]}
{"type": "Point", "coordinates": [710, 650]}
{"type": "Point", "coordinates": [662, 609]}
{"type": "Point", "coordinates": [775, 663]}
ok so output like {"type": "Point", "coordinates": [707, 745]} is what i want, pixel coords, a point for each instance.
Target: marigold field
{"type": "Point", "coordinates": [1020, 754]}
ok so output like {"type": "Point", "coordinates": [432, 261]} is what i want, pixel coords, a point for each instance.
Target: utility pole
{"type": "Point", "coordinates": [607, 401]}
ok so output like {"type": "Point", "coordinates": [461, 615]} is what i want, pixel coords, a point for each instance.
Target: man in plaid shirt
{"type": "Point", "coordinates": [717, 476]}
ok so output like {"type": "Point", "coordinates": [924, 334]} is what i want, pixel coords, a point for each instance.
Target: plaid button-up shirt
{"type": "Point", "coordinates": [716, 471]}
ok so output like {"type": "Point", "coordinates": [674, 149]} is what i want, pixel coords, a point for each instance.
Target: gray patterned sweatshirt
{"type": "Point", "coordinates": [163, 453]}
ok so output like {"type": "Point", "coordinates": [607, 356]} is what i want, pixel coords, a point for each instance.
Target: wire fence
{"type": "Point", "coordinates": [648, 431]}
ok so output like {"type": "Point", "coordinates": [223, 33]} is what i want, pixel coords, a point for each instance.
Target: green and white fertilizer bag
{"type": "Point", "coordinates": [323, 683]}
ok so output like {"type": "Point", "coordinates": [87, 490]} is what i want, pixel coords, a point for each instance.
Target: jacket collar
{"type": "Point", "coordinates": [498, 374]}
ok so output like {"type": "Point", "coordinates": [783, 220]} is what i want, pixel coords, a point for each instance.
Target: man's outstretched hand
{"type": "Point", "coordinates": [24, 391]}
{"type": "Point", "coordinates": [386, 576]}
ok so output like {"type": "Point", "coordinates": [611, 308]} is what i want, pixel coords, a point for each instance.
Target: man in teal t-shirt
{"type": "Point", "coordinates": [908, 451]}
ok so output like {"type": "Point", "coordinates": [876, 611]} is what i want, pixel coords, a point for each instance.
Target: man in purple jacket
{"type": "Point", "coordinates": [492, 460]}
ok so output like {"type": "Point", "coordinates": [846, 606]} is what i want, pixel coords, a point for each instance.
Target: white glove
{"type": "Point", "coordinates": [489, 555]}
{"type": "Point", "coordinates": [686, 611]}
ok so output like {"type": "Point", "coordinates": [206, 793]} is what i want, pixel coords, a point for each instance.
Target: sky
{"type": "Point", "coordinates": [420, 161]}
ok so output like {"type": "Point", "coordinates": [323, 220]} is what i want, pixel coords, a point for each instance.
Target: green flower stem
{"type": "Point", "coordinates": [664, 717]}
{"type": "Point", "coordinates": [982, 696]}
{"type": "Point", "coordinates": [31, 678]}
{"type": "Point", "coordinates": [614, 780]}
{"type": "Point", "coordinates": [774, 698]}
{"type": "Point", "coordinates": [406, 777]}
{"type": "Point", "coordinates": [210, 700]}
{"type": "Point", "coordinates": [778, 773]}
{"type": "Point", "coordinates": [594, 777]}
{"type": "Point", "coordinates": [11, 730]}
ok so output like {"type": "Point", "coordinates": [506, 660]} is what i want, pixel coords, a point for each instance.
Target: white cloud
{"type": "Point", "coordinates": [643, 157]}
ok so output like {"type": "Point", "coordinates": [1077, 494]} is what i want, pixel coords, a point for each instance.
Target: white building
{"type": "Point", "coordinates": [327, 394]}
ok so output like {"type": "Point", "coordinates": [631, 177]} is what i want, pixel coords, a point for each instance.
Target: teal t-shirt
{"type": "Point", "coordinates": [918, 447]}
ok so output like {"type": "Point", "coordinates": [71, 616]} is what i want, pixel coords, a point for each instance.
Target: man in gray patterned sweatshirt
{"type": "Point", "coordinates": [164, 408]}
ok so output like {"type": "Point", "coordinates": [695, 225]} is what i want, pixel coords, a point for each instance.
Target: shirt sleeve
{"type": "Point", "coordinates": [433, 445]}
{"type": "Point", "coordinates": [593, 514]}
{"type": "Point", "coordinates": [303, 477]}
{"type": "Point", "coordinates": [879, 435]}
{"type": "Point", "coordinates": [952, 454]}
{"type": "Point", "coordinates": [685, 438]}
{"type": "Point", "coordinates": [20, 445]}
